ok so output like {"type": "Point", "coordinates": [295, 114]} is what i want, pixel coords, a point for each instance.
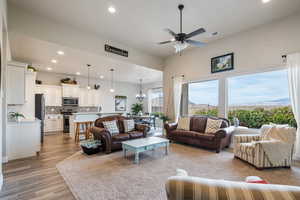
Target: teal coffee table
{"type": "Point", "coordinates": [145, 144]}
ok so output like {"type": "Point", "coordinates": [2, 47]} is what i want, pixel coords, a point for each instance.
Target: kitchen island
{"type": "Point", "coordinates": [86, 117]}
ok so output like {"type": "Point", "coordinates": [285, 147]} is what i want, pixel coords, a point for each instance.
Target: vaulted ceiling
{"type": "Point", "coordinates": [140, 23]}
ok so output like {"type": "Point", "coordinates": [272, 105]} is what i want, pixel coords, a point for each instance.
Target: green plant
{"type": "Point", "coordinates": [164, 118]}
{"type": "Point", "coordinates": [15, 115]}
{"type": "Point", "coordinates": [257, 117]}
{"type": "Point", "coordinates": [31, 68]}
{"type": "Point", "coordinates": [136, 108]}
{"type": "Point", "coordinates": [156, 114]}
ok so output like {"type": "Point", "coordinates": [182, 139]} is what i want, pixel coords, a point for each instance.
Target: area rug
{"type": "Point", "coordinates": [113, 177]}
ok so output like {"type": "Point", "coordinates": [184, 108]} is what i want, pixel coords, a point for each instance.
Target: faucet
{"type": "Point", "coordinates": [99, 108]}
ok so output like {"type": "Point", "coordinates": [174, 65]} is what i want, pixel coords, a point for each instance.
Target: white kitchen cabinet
{"type": "Point", "coordinates": [69, 90]}
{"type": "Point", "coordinates": [89, 98]}
{"type": "Point", "coordinates": [23, 139]}
{"type": "Point", "coordinates": [52, 94]}
{"type": "Point", "coordinates": [16, 83]}
{"type": "Point", "coordinates": [53, 123]}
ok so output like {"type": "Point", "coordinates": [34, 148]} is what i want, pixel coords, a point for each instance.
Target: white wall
{"type": "Point", "coordinates": [44, 29]}
{"type": "Point", "coordinates": [5, 55]}
{"type": "Point", "coordinates": [258, 49]}
{"type": "Point", "coordinates": [107, 98]}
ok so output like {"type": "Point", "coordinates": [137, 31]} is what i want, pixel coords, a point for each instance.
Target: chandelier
{"type": "Point", "coordinates": [140, 96]}
{"type": "Point", "coordinates": [88, 86]}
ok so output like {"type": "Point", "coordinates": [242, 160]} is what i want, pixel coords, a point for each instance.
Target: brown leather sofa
{"type": "Point", "coordinates": [196, 135]}
{"type": "Point", "coordinates": [111, 143]}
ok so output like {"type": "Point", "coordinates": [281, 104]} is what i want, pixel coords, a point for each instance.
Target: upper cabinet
{"type": "Point", "coordinates": [69, 90]}
{"type": "Point", "coordinates": [16, 83]}
{"type": "Point", "coordinates": [89, 98]}
{"type": "Point", "coordinates": [52, 94]}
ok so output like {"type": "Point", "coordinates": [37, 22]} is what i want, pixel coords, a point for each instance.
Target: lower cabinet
{"type": "Point", "coordinates": [53, 123]}
{"type": "Point", "coordinates": [23, 139]}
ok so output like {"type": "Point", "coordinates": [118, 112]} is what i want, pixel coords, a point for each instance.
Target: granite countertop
{"type": "Point", "coordinates": [25, 121]}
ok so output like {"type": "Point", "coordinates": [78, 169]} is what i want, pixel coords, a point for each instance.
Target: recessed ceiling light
{"type": "Point", "coordinates": [49, 68]}
{"type": "Point", "coordinates": [111, 9]}
{"type": "Point", "coordinates": [60, 53]}
{"type": "Point", "coordinates": [77, 73]}
{"type": "Point", "coordinates": [266, 1]}
{"type": "Point", "coordinates": [101, 77]}
{"type": "Point", "coordinates": [54, 61]}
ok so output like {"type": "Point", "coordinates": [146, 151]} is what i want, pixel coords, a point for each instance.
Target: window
{"type": "Point", "coordinates": [260, 98]}
{"type": "Point", "coordinates": [156, 100]}
{"type": "Point", "coordinates": [203, 98]}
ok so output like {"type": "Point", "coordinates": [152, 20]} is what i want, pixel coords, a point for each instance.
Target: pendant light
{"type": "Point", "coordinates": [140, 96]}
{"type": "Point", "coordinates": [112, 81]}
{"type": "Point", "coordinates": [89, 86]}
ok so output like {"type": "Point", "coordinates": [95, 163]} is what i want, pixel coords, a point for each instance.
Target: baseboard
{"type": "Point", "coordinates": [5, 159]}
{"type": "Point", "coordinates": [1, 181]}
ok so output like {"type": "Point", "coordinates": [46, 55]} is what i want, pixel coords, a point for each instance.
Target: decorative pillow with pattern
{"type": "Point", "coordinates": [112, 127]}
{"type": "Point", "coordinates": [184, 123]}
{"type": "Point", "coordinates": [128, 125]}
{"type": "Point", "coordinates": [212, 125]}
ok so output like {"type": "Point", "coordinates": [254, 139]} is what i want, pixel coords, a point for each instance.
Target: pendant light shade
{"type": "Point", "coordinates": [112, 88]}
{"type": "Point", "coordinates": [88, 86]}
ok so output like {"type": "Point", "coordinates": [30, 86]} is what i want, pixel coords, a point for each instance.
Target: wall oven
{"type": "Point", "coordinates": [70, 101]}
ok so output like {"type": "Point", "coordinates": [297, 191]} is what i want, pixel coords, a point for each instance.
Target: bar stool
{"type": "Point", "coordinates": [86, 130]}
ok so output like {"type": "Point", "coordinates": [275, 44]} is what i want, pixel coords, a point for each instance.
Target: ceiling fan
{"type": "Point", "coordinates": [182, 40]}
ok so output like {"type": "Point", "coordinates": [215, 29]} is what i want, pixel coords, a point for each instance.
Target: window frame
{"type": "Point", "coordinates": [223, 93]}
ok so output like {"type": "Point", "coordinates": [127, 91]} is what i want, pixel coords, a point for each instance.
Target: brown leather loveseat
{"type": "Point", "coordinates": [196, 134]}
{"type": "Point", "coordinates": [111, 143]}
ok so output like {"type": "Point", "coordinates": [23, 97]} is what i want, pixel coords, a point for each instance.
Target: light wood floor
{"type": "Point", "coordinates": [37, 178]}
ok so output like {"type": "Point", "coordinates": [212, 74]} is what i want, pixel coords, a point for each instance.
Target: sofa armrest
{"type": "Point", "coordinates": [223, 132]}
{"type": "Point", "coordinates": [185, 187]}
{"type": "Point", "coordinates": [170, 127]}
{"type": "Point", "coordinates": [103, 135]}
{"type": "Point", "coordinates": [246, 138]}
{"type": "Point", "coordinates": [143, 128]}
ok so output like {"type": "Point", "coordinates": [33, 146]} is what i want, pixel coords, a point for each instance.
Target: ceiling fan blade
{"type": "Point", "coordinates": [195, 43]}
{"type": "Point", "coordinates": [171, 32]}
{"type": "Point", "coordinates": [165, 42]}
{"type": "Point", "coordinates": [194, 33]}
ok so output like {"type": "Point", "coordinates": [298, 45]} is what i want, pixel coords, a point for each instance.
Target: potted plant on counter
{"type": "Point", "coordinates": [15, 116]}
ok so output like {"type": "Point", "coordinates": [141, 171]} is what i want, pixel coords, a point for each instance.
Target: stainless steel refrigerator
{"type": "Point", "coordinates": [40, 112]}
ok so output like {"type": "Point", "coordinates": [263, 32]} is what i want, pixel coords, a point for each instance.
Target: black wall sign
{"type": "Point", "coordinates": [116, 50]}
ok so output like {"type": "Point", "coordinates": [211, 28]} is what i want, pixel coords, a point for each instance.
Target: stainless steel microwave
{"type": "Point", "coordinates": [69, 101]}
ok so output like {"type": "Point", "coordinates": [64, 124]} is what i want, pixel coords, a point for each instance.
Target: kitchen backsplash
{"type": "Point", "coordinates": [57, 109]}
{"type": "Point", "coordinates": [53, 109]}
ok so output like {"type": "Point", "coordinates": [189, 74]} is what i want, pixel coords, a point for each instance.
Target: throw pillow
{"type": "Point", "coordinates": [184, 123]}
{"type": "Point", "coordinates": [212, 125]}
{"type": "Point", "coordinates": [128, 125]}
{"type": "Point", "coordinates": [112, 127]}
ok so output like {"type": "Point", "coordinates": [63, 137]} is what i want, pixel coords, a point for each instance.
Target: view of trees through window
{"type": "Point", "coordinates": [260, 98]}
{"type": "Point", "coordinates": [254, 99]}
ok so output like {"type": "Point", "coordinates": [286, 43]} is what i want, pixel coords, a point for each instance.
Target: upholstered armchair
{"type": "Point", "coordinates": [270, 149]}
